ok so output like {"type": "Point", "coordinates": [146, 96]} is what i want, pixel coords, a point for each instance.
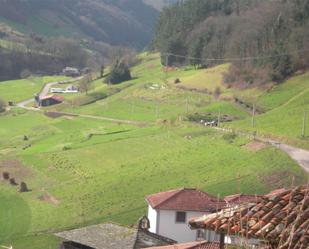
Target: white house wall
{"type": "Point", "coordinates": [152, 216]}
{"type": "Point", "coordinates": [180, 232]}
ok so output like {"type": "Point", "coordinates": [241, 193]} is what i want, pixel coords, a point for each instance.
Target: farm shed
{"type": "Point", "coordinates": [71, 71]}
{"type": "Point", "coordinates": [278, 220]}
{"type": "Point", "coordinates": [112, 236]}
{"type": "Point", "coordinates": [51, 100]}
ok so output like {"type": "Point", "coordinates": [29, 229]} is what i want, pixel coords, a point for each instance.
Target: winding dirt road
{"type": "Point", "coordinates": [43, 93]}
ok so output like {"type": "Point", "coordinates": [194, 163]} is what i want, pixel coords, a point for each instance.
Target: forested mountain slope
{"type": "Point", "coordinates": [267, 40]}
{"type": "Point", "coordinates": [117, 22]}
{"type": "Point", "coordinates": [160, 4]}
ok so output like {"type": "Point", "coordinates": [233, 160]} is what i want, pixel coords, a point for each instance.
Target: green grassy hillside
{"type": "Point", "coordinates": [284, 118]}
{"type": "Point", "coordinates": [85, 171]}
{"type": "Point", "coordinates": [127, 23]}
{"type": "Point", "coordinates": [18, 90]}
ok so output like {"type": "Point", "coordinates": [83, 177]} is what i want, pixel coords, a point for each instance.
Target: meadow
{"type": "Point", "coordinates": [284, 119]}
{"type": "Point", "coordinates": [85, 171]}
{"type": "Point", "coordinates": [19, 90]}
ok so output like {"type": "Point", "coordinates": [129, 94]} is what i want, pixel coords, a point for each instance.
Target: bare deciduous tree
{"type": "Point", "coordinates": [85, 83]}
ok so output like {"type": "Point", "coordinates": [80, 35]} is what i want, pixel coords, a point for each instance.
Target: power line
{"type": "Point", "coordinates": [235, 58]}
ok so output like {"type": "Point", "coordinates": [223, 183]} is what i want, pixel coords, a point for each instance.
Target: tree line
{"type": "Point", "coordinates": [38, 55]}
{"type": "Point", "coordinates": [269, 38]}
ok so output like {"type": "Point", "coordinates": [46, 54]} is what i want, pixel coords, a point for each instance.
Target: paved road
{"type": "Point", "coordinates": [300, 156]}
{"type": "Point", "coordinates": [43, 93]}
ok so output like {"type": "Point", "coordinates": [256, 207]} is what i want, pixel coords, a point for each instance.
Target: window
{"type": "Point", "coordinates": [181, 217]}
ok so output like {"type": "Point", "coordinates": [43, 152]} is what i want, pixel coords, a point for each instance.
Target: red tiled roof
{"type": "Point", "coordinates": [281, 219]}
{"type": "Point", "coordinates": [241, 198]}
{"type": "Point", "coordinates": [192, 245]}
{"type": "Point", "coordinates": [276, 192]}
{"type": "Point", "coordinates": [55, 97]}
{"type": "Point", "coordinates": [185, 200]}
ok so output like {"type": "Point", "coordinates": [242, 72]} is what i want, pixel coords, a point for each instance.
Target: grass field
{"type": "Point", "coordinates": [18, 90]}
{"type": "Point", "coordinates": [284, 120]}
{"type": "Point", "coordinates": [85, 171]}
{"type": "Point", "coordinates": [76, 165]}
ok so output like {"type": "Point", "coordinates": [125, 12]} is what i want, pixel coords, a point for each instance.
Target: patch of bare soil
{"type": "Point", "coordinates": [58, 115]}
{"type": "Point", "coordinates": [255, 146]}
{"type": "Point", "coordinates": [16, 170]}
{"type": "Point", "coordinates": [47, 197]}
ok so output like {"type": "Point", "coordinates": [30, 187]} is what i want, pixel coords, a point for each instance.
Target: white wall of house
{"type": "Point", "coordinates": [181, 232]}
{"type": "Point", "coordinates": [152, 216]}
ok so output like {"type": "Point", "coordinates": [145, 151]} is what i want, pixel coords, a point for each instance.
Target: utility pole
{"type": "Point", "coordinates": [132, 107]}
{"type": "Point", "coordinates": [157, 110]}
{"type": "Point", "coordinates": [253, 116]}
{"type": "Point", "coordinates": [187, 105]}
{"type": "Point", "coordinates": [166, 67]}
{"type": "Point", "coordinates": [304, 124]}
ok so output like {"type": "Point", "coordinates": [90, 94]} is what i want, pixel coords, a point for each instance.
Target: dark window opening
{"type": "Point", "coordinates": [181, 217]}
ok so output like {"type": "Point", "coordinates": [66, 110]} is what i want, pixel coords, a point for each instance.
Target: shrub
{"type": "Point", "coordinates": [244, 76]}
{"type": "Point", "coordinates": [217, 92]}
{"type": "Point", "coordinates": [282, 68]}
{"type": "Point", "coordinates": [6, 175]}
{"type": "Point", "coordinates": [229, 137]}
{"type": "Point", "coordinates": [177, 81]}
{"type": "Point", "coordinates": [23, 187]}
{"type": "Point", "coordinates": [13, 182]}
{"type": "Point", "coordinates": [197, 117]}
{"type": "Point", "coordinates": [66, 147]}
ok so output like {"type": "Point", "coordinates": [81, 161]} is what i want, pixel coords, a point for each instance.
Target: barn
{"type": "Point", "coordinates": [51, 100]}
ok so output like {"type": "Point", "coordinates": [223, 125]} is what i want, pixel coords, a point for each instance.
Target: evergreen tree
{"type": "Point", "coordinates": [196, 51]}
{"type": "Point", "coordinates": [120, 72]}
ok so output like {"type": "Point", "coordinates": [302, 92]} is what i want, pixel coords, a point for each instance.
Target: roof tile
{"type": "Point", "coordinates": [281, 218]}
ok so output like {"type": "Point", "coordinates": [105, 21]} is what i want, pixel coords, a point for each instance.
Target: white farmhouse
{"type": "Point", "coordinates": [169, 213]}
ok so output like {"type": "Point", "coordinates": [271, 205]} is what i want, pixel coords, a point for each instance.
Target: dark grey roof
{"type": "Point", "coordinates": [113, 236]}
{"type": "Point", "coordinates": [104, 236]}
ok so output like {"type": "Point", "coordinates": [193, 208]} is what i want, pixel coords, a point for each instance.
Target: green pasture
{"type": "Point", "coordinates": [19, 90]}
{"type": "Point", "coordinates": [86, 171]}
{"type": "Point", "coordinates": [285, 118]}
